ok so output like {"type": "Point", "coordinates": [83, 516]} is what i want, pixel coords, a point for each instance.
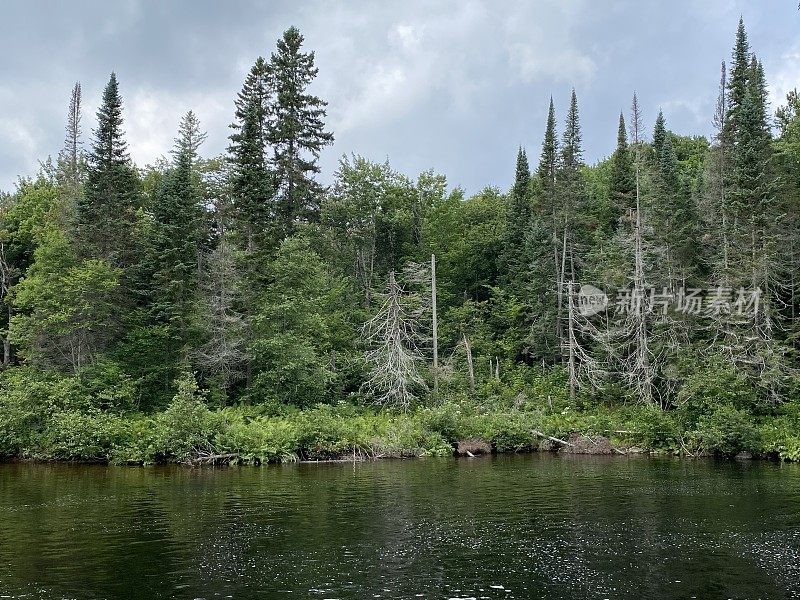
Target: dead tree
{"type": "Point", "coordinates": [587, 348]}
{"type": "Point", "coordinates": [394, 353]}
{"type": "Point", "coordinates": [435, 326]}
{"type": "Point", "coordinates": [224, 353]}
{"type": "Point", "coordinates": [470, 365]}
{"type": "Point", "coordinates": [7, 272]}
{"type": "Point", "coordinates": [71, 156]}
{"type": "Point", "coordinates": [639, 370]}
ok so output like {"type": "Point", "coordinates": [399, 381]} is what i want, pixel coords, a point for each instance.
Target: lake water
{"type": "Point", "coordinates": [516, 527]}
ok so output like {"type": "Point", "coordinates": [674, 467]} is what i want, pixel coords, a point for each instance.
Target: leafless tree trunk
{"type": "Point", "coordinates": [435, 326]}
{"type": "Point", "coordinates": [72, 142]}
{"type": "Point", "coordinates": [394, 353]}
{"type": "Point", "coordinates": [470, 365]}
{"type": "Point", "coordinates": [6, 274]}
{"type": "Point", "coordinates": [640, 370]}
{"type": "Point", "coordinates": [572, 342]}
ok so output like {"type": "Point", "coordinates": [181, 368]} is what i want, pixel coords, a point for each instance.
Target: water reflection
{"type": "Point", "coordinates": [510, 527]}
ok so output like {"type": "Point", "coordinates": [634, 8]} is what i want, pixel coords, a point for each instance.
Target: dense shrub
{"type": "Point", "coordinates": [727, 431]}
{"type": "Point", "coordinates": [88, 436]}
{"type": "Point", "coordinates": [187, 426]}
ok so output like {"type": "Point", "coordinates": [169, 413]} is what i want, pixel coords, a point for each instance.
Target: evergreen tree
{"type": "Point", "coordinates": [739, 80]}
{"type": "Point", "coordinates": [190, 138]}
{"type": "Point", "coordinates": [71, 159]}
{"type": "Point", "coordinates": [622, 185]}
{"type": "Point", "coordinates": [571, 150]}
{"type": "Point", "coordinates": [571, 193]}
{"type": "Point", "coordinates": [549, 157]}
{"type": "Point", "coordinates": [296, 132]}
{"type": "Point", "coordinates": [107, 211]}
{"type": "Point", "coordinates": [252, 180]}
{"type": "Point", "coordinates": [659, 134]}
{"type": "Point", "coordinates": [292, 342]}
{"type": "Point", "coordinates": [517, 220]}
{"type": "Point", "coordinates": [177, 233]}
{"type": "Point", "coordinates": [569, 215]}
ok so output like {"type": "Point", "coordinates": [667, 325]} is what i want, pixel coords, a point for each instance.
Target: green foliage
{"type": "Point", "coordinates": [296, 132]}
{"type": "Point", "coordinates": [81, 436]}
{"type": "Point", "coordinates": [714, 383]}
{"type": "Point", "coordinates": [107, 211]}
{"type": "Point", "coordinates": [187, 426]}
{"type": "Point", "coordinates": [467, 238]}
{"type": "Point", "coordinates": [260, 440]}
{"type": "Point", "coordinates": [654, 428]}
{"type": "Point", "coordinates": [293, 345]}
{"type": "Point", "coordinates": [116, 284]}
{"type": "Point", "coordinates": [727, 431]}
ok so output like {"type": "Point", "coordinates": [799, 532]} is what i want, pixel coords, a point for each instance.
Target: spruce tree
{"type": "Point", "coordinates": [549, 156]}
{"type": "Point", "coordinates": [296, 132]}
{"type": "Point", "coordinates": [659, 133]}
{"type": "Point", "coordinates": [71, 159]}
{"type": "Point", "coordinates": [177, 233]}
{"type": "Point", "coordinates": [106, 213]}
{"type": "Point", "coordinates": [571, 193]}
{"type": "Point", "coordinates": [571, 150]}
{"type": "Point", "coordinates": [517, 220]}
{"type": "Point", "coordinates": [569, 215]}
{"type": "Point", "coordinates": [252, 179]}
{"type": "Point", "coordinates": [739, 80]}
{"type": "Point", "coordinates": [190, 138]}
{"type": "Point", "coordinates": [548, 166]}
{"type": "Point", "coordinates": [622, 185]}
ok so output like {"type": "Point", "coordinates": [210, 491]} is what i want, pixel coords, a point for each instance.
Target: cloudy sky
{"type": "Point", "coordinates": [455, 86]}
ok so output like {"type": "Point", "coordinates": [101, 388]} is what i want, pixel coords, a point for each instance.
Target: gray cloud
{"type": "Point", "coordinates": [455, 86]}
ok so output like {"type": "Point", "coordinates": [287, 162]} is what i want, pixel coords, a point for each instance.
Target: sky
{"type": "Point", "coordinates": [454, 86]}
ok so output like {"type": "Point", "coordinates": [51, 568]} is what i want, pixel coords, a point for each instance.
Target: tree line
{"type": "Point", "coordinates": [271, 289]}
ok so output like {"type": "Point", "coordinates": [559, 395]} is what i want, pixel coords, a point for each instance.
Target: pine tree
{"type": "Point", "coordinates": [622, 184]}
{"type": "Point", "coordinates": [190, 138]}
{"type": "Point", "coordinates": [571, 150]}
{"type": "Point", "coordinates": [544, 247]}
{"type": "Point", "coordinates": [515, 258]}
{"type": "Point", "coordinates": [739, 80]}
{"type": "Point", "coordinates": [517, 220]}
{"type": "Point", "coordinates": [177, 233]}
{"type": "Point", "coordinates": [571, 193]}
{"type": "Point", "coordinates": [252, 179]}
{"type": "Point", "coordinates": [674, 222]}
{"type": "Point", "coordinates": [549, 156]}
{"type": "Point", "coordinates": [659, 134]}
{"type": "Point", "coordinates": [107, 211]}
{"type": "Point", "coordinates": [297, 132]}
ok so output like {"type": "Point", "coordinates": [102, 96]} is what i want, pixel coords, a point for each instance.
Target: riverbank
{"type": "Point", "coordinates": [188, 432]}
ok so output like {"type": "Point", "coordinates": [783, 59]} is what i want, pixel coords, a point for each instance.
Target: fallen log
{"type": "Point", "coordinates": [551, 438]}
{"type": "Point", "coordinates": [213, 458]}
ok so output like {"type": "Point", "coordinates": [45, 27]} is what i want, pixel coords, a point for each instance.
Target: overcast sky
{"type": "Point", "coordinates": [455, 86]}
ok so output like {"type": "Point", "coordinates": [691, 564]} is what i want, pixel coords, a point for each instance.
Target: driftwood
{"type": "Point", "coordinates": [213, 458]}
{"type": "Point", "coordinates": [551, 438]}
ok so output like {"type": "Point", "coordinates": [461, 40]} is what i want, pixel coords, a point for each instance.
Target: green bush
{"type": "Point", "coordinates": [713, 384]}
{"type": "Point", "coordinates": [187, 426]}
{"type": "Point", "coordinates": [727, 431]}
{"type": "Point", "coordinates": [260, 440]}
{"type": "Point", "coordinates": [653, 428]}
{"type": "Point", "coordinates": [82, 436]}
{"type": "Point", "coordinates": [509, 431]}
{"type": "Point", "coordinates": [406, 437]}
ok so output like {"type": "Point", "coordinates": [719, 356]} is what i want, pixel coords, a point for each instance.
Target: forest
{"type": "Point", "coordinates": [232, 309]}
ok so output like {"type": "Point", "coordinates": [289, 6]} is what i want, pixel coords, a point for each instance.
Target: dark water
{"type": "Point", "coordinates": [510, 528]}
